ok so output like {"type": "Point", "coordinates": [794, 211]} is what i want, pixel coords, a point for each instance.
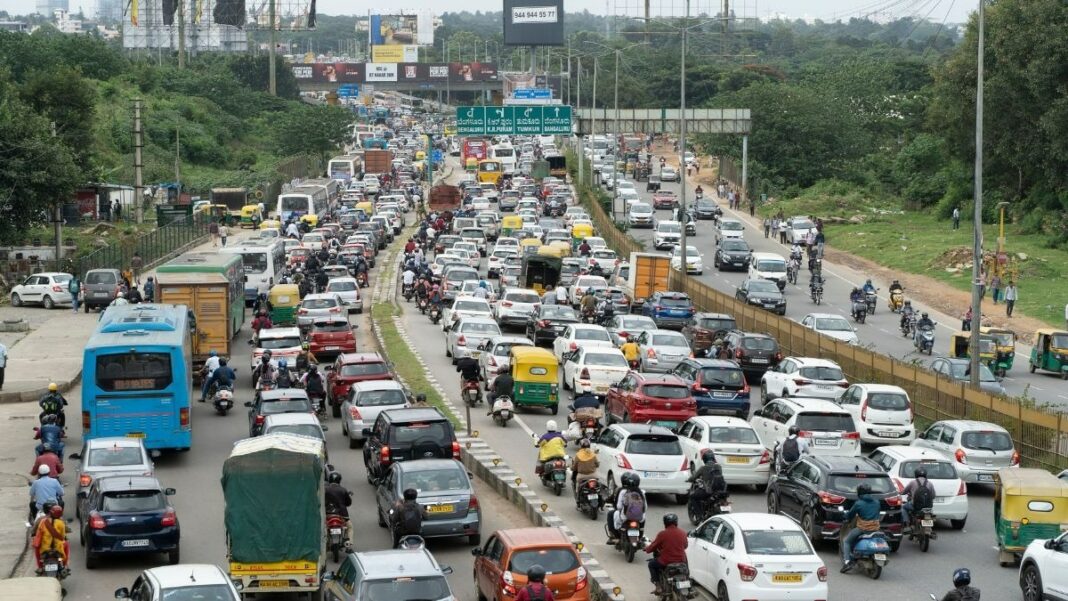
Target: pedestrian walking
{"type": "Point", "coordinates": [74, 286]}
{"type": "Point", "coordinates": [966, 321]}
{"type": "Point", "coordinates": [956, 218]}
{"type": "Point", "coordinates": [782, 231]}
{"type": "Point", "coordinates": [136, 263]}
{"type": "Point", "coordinates": [767, 227]}
{"type": "Point", "coordinates": [697, 166]}
{"type": "Point", "coordinates": [995, 288]}
{"type": "Point", "coordinates": [752, 208]}
{"type": "Point", "coordinates": [1011, 296]}
{"type": "Point", "coordinates": [223, 233]}
{"type": "Point", "coordinates": [213, 229]}
{"type": "Point", "coordinates": [3, 363]}
{"type": "Point", "coordinates": [820, 239]}
{"type": "Point", "coordinates": [116, 210]}
{"type": "Point", "coordinates": [774, 227]}
{"type": "Point", "coordinates": [721, 190]}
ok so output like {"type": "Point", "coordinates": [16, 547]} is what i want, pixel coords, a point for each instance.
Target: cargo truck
{"type": "Point", "coordinates": [274, 515]}
{"type": "Point", "coordinates": [233, 198]}
{"type": "Point", "coordinates": [648, 274]}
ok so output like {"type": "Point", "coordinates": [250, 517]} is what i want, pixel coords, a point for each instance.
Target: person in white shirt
{"type": "Point", "coordinates": [206, 372]}
{"type": "Point", "coordinates": [408, 277]}
{"type": "Point", "coordinates": [561, 295]}
{"type": "Point", "coordinates": [482, 291]}
{"type": "Point", "coordinates": [292, 231]}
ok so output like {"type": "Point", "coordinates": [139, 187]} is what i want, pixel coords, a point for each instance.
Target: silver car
{"type": "Point", "coordinates": [465, 306]}
{"type": "Point", "coordinates": [349, 291]}
{"type": "Point", "coordinates": [662, 350]}
{"type": "Point", "coordinates": [365, 401]}
{"type": "Point", "coordinates": [516, 305]}
{"type": "Point", "coordinates": [110, 456]}
{"type": "Point", "coordinates": [464, 338]}
{"type": "Point", "coordinates": [495, 355]}
{"type": "Point", "coordinates": [327, 304]}
{"type": "Point", "coordinates": [630, 325]}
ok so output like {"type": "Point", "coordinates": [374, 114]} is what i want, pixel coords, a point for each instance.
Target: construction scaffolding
{"type": "Point", "coordinates": [209, 25]}
{"type": "Point", "coordinates": [723, 17]}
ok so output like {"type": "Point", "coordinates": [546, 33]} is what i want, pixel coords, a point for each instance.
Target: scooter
{"type": "Point", "coordinates": [503, 410]}
{"type": "Point", "coordinates": [897, 300]}
{"type": "Point", "coordinates": [53, 566]}
{"type": "Point", "coordinates": [860, 311]}
{"type": "Point", "coordinates": [871, 298]}
{"type": "Point", "coordinates": [589, 497]}
{"type": "Point", "coordinates": [870, 553]}
{"type": "Point", "coordinates": [554, 474]}
{"type": "Point", "coordinates": [699, 511]}
{"type": "Point", "coordinates": [631, 538]}
{"type": "Point", "coordinates": [223, 399]}
{"type": "Point", "coordinates": [923, 528]}
{"type": "Point", "coordinates": [924, 341]}
{"type": "Point", "coordinates": [423, 304]}
{"type": "Point", "coordinates": [408, 292]}
{"type": "Point", "coordinates": [471, 392]}
{"type": "Point", "coordinates": [435, 314]}
{"type": "Point", "coordinates": [675, 583]}
{"type": "Point", "coordinates": [336, 539]}
{"type": "Point", "coordinates": [361, 279]}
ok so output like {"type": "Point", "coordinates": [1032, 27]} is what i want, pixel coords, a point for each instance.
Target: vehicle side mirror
{"type": "Point", "coordinates": [921, 435]}
{"type": "Point", "coordinates": [476, 552]}
{"type": "Point", "coordinates": [446, 570]}
{"type": "Point", "coordinates": [169, 491]}
{"type": "Point", "coordinates": [691, 533]}
{"type": "Point", "coordinates": [122, 593]}
{"type": "Point", "coordinates": [366, 433]}
{"type": "Point", "coordinates": [1051, 544]}
{"type": "Point", "coordinates": [76, 456]}
{"type": "Point", "coordinates": [328, 576]}
{"type": "Point", "coordinates": [248, 404]}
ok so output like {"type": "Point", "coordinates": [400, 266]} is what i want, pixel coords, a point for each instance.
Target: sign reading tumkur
{"type": "Point", "coordinates": [522, 120]}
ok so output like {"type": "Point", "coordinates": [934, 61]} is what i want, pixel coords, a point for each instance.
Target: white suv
{"type": "Point", "coordinates": [804, 376]}
{"type": "Point", "coordinates": [667, 234]}
{"type": "Point", "coordinates": [979, 449]}
{"type": "Point", "coordinates": [729, 228]}
{"type": "Point", "coordinates": [768, 266]}
{"type": "Point", "coordinates": [1044, 569]}
{"type": "Point", "coordinates": [951, 495]}
{"type": "Point", "coordinates": [883, 413]}
{"type": "Point", "coordinates": [828, 428]}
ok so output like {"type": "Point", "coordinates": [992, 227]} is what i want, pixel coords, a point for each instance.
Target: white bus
{"type": "Point", "coordinates": [343, 168]}
{"type": "Point", "coordinates": [264, 258]}
{"type": "Point", "coordinates": [505, 153]}
{"type": "Point", "coordinates": [310, 201]}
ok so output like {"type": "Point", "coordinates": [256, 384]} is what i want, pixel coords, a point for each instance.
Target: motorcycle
{"type": "Point", "coordinates": [554, 474]}
{"type": "Point", "coordinates": [589, 497]}
{"type": "Point", "coordinates": [408, 292]}
{"type": "Point", "coordinates": [908, 325]}
{"type": "Point", "coordinates": [699, 511]}
{"type": "Point", "coordinates": [589, 316]}
{"type": "Point", "coordinates": [318, 400]}
{"type": "Point", "coordinates": [223, 399]}
{"type": "Point", "coordinates": [53, 566]}
{"type": "Point", "coordinates": [336, 539]}
{"type": "Point", "coordinates": [871, 298]}
{"type": "Point", "coordinates": [897, 300]}
{"type": "Point", "coordinates": [870, 553]}
{"type": "Point", "coordinates": [423, 304]}
{"type": "Point", "coordinates": [791, 271]}
{"type": "Point", "coordinates": [816, 292]}
{"type": "Point", "coordinates": [675, 583]}
{"type": "Point", "coordinates": [503, 410]}
{"type": "Point", "coordinates": [923, 528]}
{"type": "Point", "coordinates": [631, 538]}
{"type": "Point", "coordinates": [435, 314]}
{"type": "Point", "coordinates": [634, 363]}
{"type": "Point", "coordinates": [924, 341]}
{"type": "Point", "coordinates": [860, 311]}
{"type": "Point", "coordinates": [361, 279]}
{"type": "Point", "coordinates": [471, 392]}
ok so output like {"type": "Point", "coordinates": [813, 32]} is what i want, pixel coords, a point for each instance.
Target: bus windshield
{"type": "Point", "coordinates": [294, 203]}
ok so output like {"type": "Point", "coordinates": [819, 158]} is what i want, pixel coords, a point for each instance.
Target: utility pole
{"type": "Point", "coordinates": [178, 158]}
{"type": "Point", "coordinates": [139, 187]}
{"type": "Point", "coordinates": [57, 222]}
{"type": "Point", "coordinates": [682, 141]}
{"type": "Point", "coordinates": [647, 17]}
{"type": "Point", "coordinates": [725, 28]}
{"type": "Point", "coordinates": [272, 78]}
{"type": "Point", "coordinates": [181, 34]}
{"type": "Point", "coordinates": [615, 130]}
{"type": "Point", "coordinates": [977, 217]}
{"type": "Point", "coordinates": [593, 106]}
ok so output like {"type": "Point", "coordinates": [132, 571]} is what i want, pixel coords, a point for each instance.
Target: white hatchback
{"type": "Point", "coordinates": [580, 335]}
{"type": "Point", "coordinates": [883, 413]}
{"type": "Point", "coordinates": [651, 452]}
{"type": "Point", "coordinates": [828, 428]}
{"type": "Point", "coordinates": [951, 495]}
{"type": "Point", "coordinates": [804, 376]}
{"type": "Point", "coordinates": [831, 324]}
{"type": "Point", "coordinates": [595, 369]}
{"type": "Point", "coordinates": [737, 446]}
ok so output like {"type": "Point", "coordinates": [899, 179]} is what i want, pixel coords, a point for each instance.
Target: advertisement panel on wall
{"type": "Point", "coordinates": [534, 22]}
{"type": "Point", "coordinates": [394, 72]}
{"type": "Point", "coordinates": [381, 72]}
{"type": "Point", "coordinates": [329, 72]}
{"type": "Point", "coordinates": [413, 27]}
{"type": "Point", "coordinates": [395, 54]}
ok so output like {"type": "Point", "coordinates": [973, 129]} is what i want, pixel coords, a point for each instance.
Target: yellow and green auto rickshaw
{"type": "Point", "coordinates": [1005, 344]}
{"type": "Point", "coordinates": [557, 248]}
{"type": "Point", "coordinates": [1050, 352]}
{"type": "Point", "coordinates": [988, 350]}
{"type": "Point", "coordinates": [285, 298]}
{"type": "Point", "coordinates": [471, 164]}
{"type": "Point", "coordinates": [579, 232]}
{"type": "Point", "coordinates": [509, 225]}
{"type": "Point", "coordinates": [1029, 504]}
{"type": "Point", "coordinates": [534, 370]}
{"type": "Point", "coordinates": [540, 271]}
{"type": "Point", "coordinates": [529, 246]}
{"type": "Point", "coordinates": [251, 216]}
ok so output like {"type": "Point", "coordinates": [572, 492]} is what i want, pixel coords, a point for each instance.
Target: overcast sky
{"type": "Point", "coordinates": [935, 10]}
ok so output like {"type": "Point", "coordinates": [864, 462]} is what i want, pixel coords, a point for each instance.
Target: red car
{"type": "Point", "coordinates": [664, 199]}
{"type": "Point", "coordinates": [350, 368]}
{"type": "Point", "coordinates": [331, 336]}
{"type": "Point", "coordinates": [660, 399]}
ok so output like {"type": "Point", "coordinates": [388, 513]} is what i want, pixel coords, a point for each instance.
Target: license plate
{"type": "Point", "coordinates": [593, 497]}
{"type": "Point", "coordinates": [558, 475]}
{"type": "Point", "coordinates": [927, 523]}
{"type": "Point", "coordinates": [273, 583]}
{"type": "Point", "coordinates": [737, 459]}
{"type": "Point", "coordinates": [667, 424]}
{"type": "Point", "coordinates": [333, 348]}
{"type": "Point", "coordinates": [440, 509]}
{"type": "Point", "coordinates": [682, 584]}
{"type": "Point", "coordinates": [984, 478]}
{"type": "Point", "coordinates": [888, 434]}
{"type": "Point", "coordinates": [138, 542]}
{"type": "Point", "coordinates": [654, 474]}
{"type": "Point", "coordinates": [790, 578]}
{"type": "Point", "coordinates": [633, 533]}
{"type": "Point", "coordinates": [761, 361]}
{"type": "Point", "coordinates": [723, 395]}
{"type": "Point", "coordinates": [824, 387]}
{"type": "Point", "coordinates": [100, 294]}
{"type": "Point", "coordinates": [135, 435]}
{"type": "Point", "coordinates": [880, 557]}
{"type": "Point", "coordinates": [335, 531]}
{"type": "Point", "coordinates": [51, 567]}
{"type": "Point", "coordinates": [476, 354]}
{"type": "Point", "coordinates": [825, 442]}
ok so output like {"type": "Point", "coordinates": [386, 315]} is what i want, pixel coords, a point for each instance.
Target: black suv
{"type": "Point", "coordinates": [753, 352]}
{"type": "Point", "coordinates": [817, 491]}
{"type": "Point", "coordinates": [549, 321]}
{"type": "Point", "coordinates": [762, 293]}
{"type": "Point", "coordinates": [406, 435]}
{"type": "Point", "coordinates": [732, 254]}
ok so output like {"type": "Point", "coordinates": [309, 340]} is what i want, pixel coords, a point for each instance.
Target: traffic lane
{"type": "Point", "coordinates": [881, 329]}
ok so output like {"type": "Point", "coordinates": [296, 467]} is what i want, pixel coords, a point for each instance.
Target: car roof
{"type": "Point", "coordinates": [810, 404]}
{"type": "Point", "coordinates": [824, 315]}
{"type": "Point", "coordinates": [709, 315]}
{"type": "Point", "coordinates": [292, 419]}
{"type": "Point", "coordinates": [814, 362]}
{"type": "Point", "coordinates": [391, 563]}
{"type": "Point", "coordinates": [846, 463]}
{"type": "Point", "coordinates": [643, 429]}
{"type": "Point", "coordinates": [722, 421]}
{"type": "Point", "coordinates": [586, 326]}
{"type": "Point", "coordinates": [534, 537]}
{"type": "Point", "coordinates": [187, 574]}
{"type": "Point", "coordinates": [282, 394]}
{"type": "Point", "coordinates": [271, 333]}
{"type": "Point", "coordinates": [724, 363]}
{"type": "Point", "coordinates": [320, 296]}
{"type": "Point", "coordinates": [413, 414]}
{"type": "Point", "coordinates": [763, 255]}
{"type": "Point", "coordinates": [349, 358]}
{"type": "Point", "coordinates": [426, 465]}
{"type": "Point", "coordinates": [970, 424]}
{"type": "Point", "coordinates": [370, 385]}
{"type": "Point", "coordinates": [477, 319]}
{"type": "Point", "coordinates": [761, 521]}
{"type": "Point", "coordinates": [113, 441]}
{"type": "Point", "coordinates": [905, 452]}
{"type": "Point", "coordinates": [127, 482]}
{"type": "Point", "coordinates": [510, 339]}
{"type": "Point", "coordinates": [882, 388]}
{"type": "Point", "coordinates": [652, 378]}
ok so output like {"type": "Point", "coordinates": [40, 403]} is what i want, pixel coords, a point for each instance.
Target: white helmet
{"type": "Point", "coordinates": [549, 425]}
{"type": "Point", "coordinates": [43, 470]}
{"type": "Point", "coordinates": [121, 295]}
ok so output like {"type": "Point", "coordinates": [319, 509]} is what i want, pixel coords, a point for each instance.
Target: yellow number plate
{"type": "Point", "coordinates": [135, 435]}
{"type": "Point", "coordinates": [273, 583]}
{"type": "Point", "coordinates": [787, 578]}
{"type": "Point", "coordinates": [737, 459]}
{"type": "Point", "coordinates": [440, 509]}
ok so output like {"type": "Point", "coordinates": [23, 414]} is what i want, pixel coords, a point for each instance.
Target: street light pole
{"type": "Point", "coordinates": [682, 142]}
{"type": "Point", "coordinates": [593, 106]}
{"type": "Point", "coordinates": [977, 216]}
{"type": "Point", "coordinates": [615, 130]}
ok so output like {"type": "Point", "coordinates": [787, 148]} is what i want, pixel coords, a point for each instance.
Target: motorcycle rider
{"type": "Point", "coordinates": [630, 503]}
{"type": "Point", "coordinates": [551, 445]}
{"type": "Point", "coordinates": [262, 302]}
{"type": "Point", "coordinates": [337, 500]}
{"type": "Point", "coordinates": [630, 351]}
{"type": "Point", "coordinates": [313, 384]}
{"type": "Point", "coordinates": [796, 254]}
{"type": "Point", "coordinates": [924, 322]}
{"type": "Point", "coordinates": [435, 296]}
{"type": "Point", "coordinates": [710, 476]}
{"type": "Point", "coordinates": [588, 302]}
{"type": "Point", "coordinates": [48, 457]}
{"type": "Point", "coordinates": [584, 249]}
{"type": "Point", "coordinates": [584, 465]}
{"type": "Point", "coordinates": [408, 516]}
{"type": "Point", "coordinates": [792, 448]}
{"type": "Point", "coordinates": [262, 321]}
{"type": "Point", "coordinates": [920, 494]}
{"type": "Point", "coordinates": [584, 406]}
{"type": "Point", "coordinates": [502, 386]}
{"type": "Point", "coordinates": [670, 545]}
{"type": "Point", "coordinates": [420, 401]}
{"type": "Point", "coordinates": [408, 278]}
{"type": "Point", "coordinates": [482, 291]}
{"type": "Point", "coordinates": [206, 372]}
{"type": "Point", "coordinates": [49, 433]}
{"type": "Point", "coordinates": [265, 371]}
{"type": "Point", "coordinates": [535, 589]}
{"type": "Point", "coordinates": [284, 379]}
{"type": "Point", "coordinates": [906, 314]}
{"type": "Point", "coordinates": [866, 510]}
{"type": "Point", "coordinates": [962, 589]}
{"type": "Point", "coordinates": [469, 372]}
{"type": "Point", "coordinates": [223, 375]}
{"type": "Point", "coordinates": [44, 489]}
{"type": "Point", "coordinates": [52, 403]}
{"type": "Point", "coordinates": [305, 359]}
{"type": "Point", "coordinates": [50, 535]}
{"type": "Point", "coordinates": [856, 297]}
{"type": "Point", "coordinates": [869, 288]}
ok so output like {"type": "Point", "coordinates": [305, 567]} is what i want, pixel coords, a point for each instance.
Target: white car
{"type": "Point", "coordinates": [729, 228]}
{"type": "Point", "coordinates": [804, 376]}
{"type": "Point", "coordinates": [472, 259]}
{"type": "Point", "coordinates": [573, 213]}
{"type": "Point", "coordinates": [584, 283]}
{"type": "Point", "coordinates": [515, 306]}
{"type": "Point", "coordinates": [596, 242]}
{"type": "Point", "coordinates": [580, 335]}
{"type": "Point", "coordinates": [625, 184]}
{"type": "Point", "coordinates": [798, 228]}
{"type": "Point", "coordinates": [349, 292]}
{"type": "Point", "coordinates": [669, 174]}
{"type": "Point", "coordinates": [739, 452]}
{"type": "Point", "coordinates": [755, 556]}
{"type": "Point", "coordinates": [185, 581]}
{"type": "Point", "coordinates": [667, 234]}
{"type": "Point", "coordinates": [604, 258]}
{"type": "Point", "coordinates": [883, 413]}
{"type": "Point", "coordinates": [831, 324]}
{"type": "Point", "coordinates": [1044, 569]}
{"type": "Point", "coordinates": [595, 368]}
{"type": "Point", "coordinates": [364, 402]}
{"type": "Point", "coordinates": [640, 214]}
{"type": "Point", "coordinates": [496, 259]}
{"type": "Point", "coordinates": [506, 242]}
{"type": "Point", "coordinates": [951, 495]}
{"type": "Point", "coordinates": [768, 266]}
{"type": "Point", "coordinates": [977, 449]}
{"type": "Point", "coordinates": [496, 355]}
{"type": "Point", "coordinates": [629, 196]}
{"type": "Point", "coordinates": [828, 428]}
{"type": "Point", "coordinates": [694, 261]}
{"type": "Point", "coordinates": [651, 452]}
{"type": "Point", "coordinates": [371, 185]}
{"type": "Point", "coordinates": [284, 343]}
{"type": "Point", "coordinates": [465, 338]}
{"type": "Point", "coordinates": [49, 289]}
{"type": "Point", "coordinates": [465, 306]}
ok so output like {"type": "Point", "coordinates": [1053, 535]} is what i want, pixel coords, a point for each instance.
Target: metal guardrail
{"type": "Point", "coordinates": [153, 247]}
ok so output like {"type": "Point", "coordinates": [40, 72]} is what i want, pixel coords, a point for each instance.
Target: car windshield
{"type": "Point", "coordinates": [591, 334]}
{"type": "Point", "coordinates": [833, 324]}
{"type": "Point", "coordinates": [379, 398]}
{"type": "Point", "coordinates": [731, 435]}
{"type": "Point", "coordinates": [406, 587]}
{"type": "Point", "coordinates": [554, 561]}
{"type": "Point", "coordinates": [432, 432]}
{"type": "Point", "coordinates": [285, 406]}
{"type": "Point", "coordinates": [880, 483]}
{"type": "Point", "coordinates": [203, 592]}
{"type": "Point", "coordinates": [814, 421]}
{"type": "Point", "coordinates": [134, 501]}
{"type": "Point", "coordinates": [763, 286]}
{"type": "Point", "coordinates": [558, 312]}
{"type": "Point", "coordinates": [771, 265]}
{"type": "Point", "coordinates": [653, 444]}
{"type": "Point", "coordinates": [730, 225]}
{"type": "Point", "coordinates": [776, 542]}
{"type": "Point", "coordinates": [465, 305]}
{"type": "Point", "coordinates": [314, 304]}
{"type": "Point", "coordinates": [758, 344]}
{"type": "Point", "coordinates": [503, 348]}
{"type": "Point", "coordinates": [961, 372]}
{"type": "Point", "coordinates": [986, 440]}
{"type": "Point", "coordinates": [606, 360]}
{"type": "Point", "coordinates": [668, 339]}
{"type": "Point", "coordinates": [936, 470]}
{"type": "Point", "coordinates": [479, 328]}
{"type": "Point", "coordinates": [691, 252]}
{"type": "Point", "coordinates": [888, 401]}
{"type": "Point", "coordinates": [309, 430]}
{"type": "Point", "coordinates": [604, 254]}
{"type": "Point", "coordinates": [331, 327]}
{"type": "Point", "coordinates": [821, 373]}
{"type": "Point", "coordinates": [114, 456]}
{"type": "Point", "coordinates": [638, 323]}
{"type": "Point", "coordinates": [96, 278]}
{"type": "Point", "coordinates": [640, 207]}
{"type": "Point", "coordinates": [734, 245]}
{"type": "Point", "coordinates": [352, 370]}
{"type": "Point", "coordinates": [1059, 341]}
{"type": "Point", "coordinates": [528, 298]}
{"type": "Point", "coordinates": [432, 481]}
{"type": "Point", "coordinates": [277, 343]}
{"type": "Point", "coordinates": [715, 323]}
{"type": "Point", "coordinates": [254, 262]}
{"type": "Point", "coordinates": [342, 286]}
{"type": "Point", "coordinates": [802, 224]}
{"type": "Point", "coordinates": [662, 391]}
{"type": "Point", "coordinates": [669, 228]}
{"type": "Point", "coordinates": [726, 377]}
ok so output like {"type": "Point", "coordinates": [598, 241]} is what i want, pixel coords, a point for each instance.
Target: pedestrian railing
{"type": "Point", "coordinates": [154, 246]}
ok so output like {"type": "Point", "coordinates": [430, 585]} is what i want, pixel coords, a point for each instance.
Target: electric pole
{"type": "Point", "coordinates": [682, 142]}
{"type": "Point", "coordinates": [57, 222]}
{"type": "Point", "coordinates": [139, 188]}
{"type": "Point", "coordinates": [272, 78]}
{"type": "Point", "coordinates": [977, 217]}
{"type": "Point", "coordinates": [181, 34]}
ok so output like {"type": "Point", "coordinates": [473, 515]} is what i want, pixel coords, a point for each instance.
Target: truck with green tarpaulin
{"type": "Point", "coordinates": [274, 515]}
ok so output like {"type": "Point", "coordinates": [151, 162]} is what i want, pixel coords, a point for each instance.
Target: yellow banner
{"type": "Point", "coordinates": [133, 12]}
{"type": "Point", "coordinates": [394, 54]}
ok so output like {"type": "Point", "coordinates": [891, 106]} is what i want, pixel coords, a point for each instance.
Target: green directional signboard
{"type": "Point", "coordinates": [522, 120]}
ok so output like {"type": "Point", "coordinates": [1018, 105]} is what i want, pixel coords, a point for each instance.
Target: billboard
{"type": "Point", "coordinates": [442, 73]}
{"type": "Point", "coordinates": [408, 53]}
{"type": "Point", "coordinates": [329, 73]}
{"type": "Point", "coordinates": [399, 29]}
{"type": "Point", "coordinates": [381, 72]}
{"type": "Point", "coordinates": [534, 22]}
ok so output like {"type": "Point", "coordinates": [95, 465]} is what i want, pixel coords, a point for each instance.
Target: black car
{"type": "Point", "coordinates": [549, 321]}
{"type": "Point", "coordinates": [271, 402]}
{"type": "Point", "coordinates": [129, 514]}
{"type": "Point", "coordinates": [818, 490]}
{"type": "Point", "coordinates": [732, 253]}
{"type": "Point", "coordinates": [762, 293]}
{"type": "Point", "coordinates": [407, 435]}
{"type": "Point", "coordinates": [706, 208]}
{"type": "Point", "coordinates": [753, 352]}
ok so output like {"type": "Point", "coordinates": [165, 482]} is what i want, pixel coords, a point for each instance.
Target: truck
{"type": "Point", "coordinates": [444, 197]}
{"type": "Point", "coordinates": [377, 161]}
{"type": "Point", "coordinates": [274, 515]}
{"type": "Point", "coordinates": [648, 274]}
{"type": "Point", "coordinates": [233, 198]}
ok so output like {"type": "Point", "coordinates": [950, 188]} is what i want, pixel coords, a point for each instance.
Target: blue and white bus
{"type": "Point", "coordinates": [264, 260]}
{"type": "Point", "coordinates": [343, 168]}
{"type": "Point", "coordinates": [137, 376]}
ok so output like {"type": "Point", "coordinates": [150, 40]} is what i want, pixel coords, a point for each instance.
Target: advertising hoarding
{"type": "Point", "coordinates": [441, 73]}
{"type": "Point", "coordinates": [534, 22]}
{"type": "Point", "coordinates": [395, 54]}
{"type": "Point", "coordinates": [411, 27]}
{"type": "Point", "coordinates": [329, 72]}
{"type": "Point", "coordinates": [381, 72]}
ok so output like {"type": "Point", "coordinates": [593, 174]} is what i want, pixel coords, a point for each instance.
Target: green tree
{"type": "Point", "coordinates": [311, 129]}
{"type": "Point", "coordinates": [67, 99]}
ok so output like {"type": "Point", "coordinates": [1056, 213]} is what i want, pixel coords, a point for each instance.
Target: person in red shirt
{"type": "Point", "coordinates": [48, 457]}
{"type": "Point", "coordinates": [535, 590]}
{"type": "Point", "coordinates": [671, 544]}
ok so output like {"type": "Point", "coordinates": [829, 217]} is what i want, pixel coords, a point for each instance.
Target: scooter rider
{"type": "Point", "coordinates": [962, 589]}
{"type": "Point", "coordinates": [625, 505]}
{"type": "Point", "coordinates": [856, 297]}
{"type": "Point", "coordinates": [44, 489]}
{"type": "Point", "coordinates": [896, 286]}
{"type": "Point", "coordinates": [866, 510]}
{"type": "Point", "coordinates": [469, 372]}
{"type": "Point", "coordinates": [631, 351]}
{"type": "Point", "coordinates": [305, 359]}
{"type": "Point", "coordinates": [265, 371]}
{"type": "Point", "coordinates": [584, 465]}
{"type": "Point", "coordinates": [920, 494]}
{"type": "Point", "coordinates": [924, 322]}
{"type": "Point", "coordinates": [284, 378]}
{"type": "Point", "coordinates": [52, 403]}
{"type": "Point", "coordinates": [551, 445]}
{"type": "Point", "coordinates": [670, 545]}
{"type": "Point", "coordinates": [313, 383]}
{"type": "Point", "coordinates": [206, 372]}
{"type": "Point", "coordinates": [337, 501]}
{"type": "Point", "coordinates": [869, 288]}
{"type": "Point", "coordinates": [49, 433]}
{"type": "Point", "coordinates": [583, 407]}
{"type": "Point", "coordinates": [502, 386]}
{"type": "Point", "coordinates": [223, 375]}
{"type": "Point", "coordinates": [588, 302]}
{"type": "Point", "coordinates": [710, 475]}
{"type": "Point", "coordinates": [535, 590]}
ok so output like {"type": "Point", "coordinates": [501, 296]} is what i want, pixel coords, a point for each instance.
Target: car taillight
{"type": "Point", "coordinates": [383, 454]}
{"type": "Point", "coordinates": [651, 353]}
{"type": "Point", "coordinates": [894, 501]}
{"type": "Point", "coordinates": [302, 311]}
{"type": "Point", "coordinates": [543, 323]}
{"type": "Point", "coordinates": [461, 341]}
{"type": "Point", "coordinates": [623, 462]}
{"type": "Point", "coordinates": [492, 361]}
{"type": "Point", "coordinates": [960, 456]}
{"type": "Point", "coordinates": [747, 572]}
{"type": "Point", "coordinates": [963, 490]}
{"type": "Point", "coordinates": [685, 464]}
{"type": "Point", "coordinates": [472, 504]}
{"type": "Point", "coordinates": [455, 450]}
{"type": "Point", "coordinates": [912, 415]}
{"type": "Point", "coordinates": [573, 346]}
{"type": "Point", "coordinates": [84, 480]}
{"type": "Point", "coordinates": [96, 522]}
{"type": "Point", "coordinates": [698, 388]}
{"type": "Point", "coordinates": [335, 310]}
{"type": "Point", "coordinates": [851, 435]}
{"type": "Point", "coordinates": [801, 382]}
{"type": "Point", "coordinates": [585, 374]}
{"type": "Point", "coordinates": [183, 417]}
{"type": "Point", "coordinates": [57, 289]}
{"type": "Point", "coordinates": [354, 413]}
{"type": "Point", "coordinates": [85, 421]}
{"type": "Point", "coordinates": [169, 518]}
{"type": "Point", "coordinates": [506, 303]}
{"type": "Point", "coordinates": [1015, 458]}
{"type": "Point", "coordinates": [508, 584]}
{"type": "Point", "coordinates": [897, 483]}
{"type": "Point", "coordinates": [805, 434]}
{"type": "Point", "coordinates": [259, 420]}
{"type": "Point", "coordinates": [821, 573]}
{"type": "Point", "coordinates": [828, 498]}
{"type": "Point", "coordinates": [843, 384]}
{"type": "Point", "coordinates": [739, 353]}
{"type": "Point", "coordinates": [624, 334]}
{"type": "Point", "coordinates": [765, 458]}
{"type": "Point", "coordinates": [581, 580]}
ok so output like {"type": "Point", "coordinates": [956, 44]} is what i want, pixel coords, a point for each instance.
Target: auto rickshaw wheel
{"type": "Point", "coordinates": [1031, 366]}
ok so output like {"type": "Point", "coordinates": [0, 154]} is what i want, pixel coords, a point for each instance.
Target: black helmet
{"type": "Point", "coordinates": [536, 573]}
{"type": "Point", "coordinates": [794, 430]}
{"type": "Point", "coordinates": [420, 398]}
{"type": "Point", "coordinates": [222, 361]}
{"type": "Point", "coordinates": [921, 472]}
{"type": "Point", "coordinates": [671, 519]}
{"type": "Point", "coordinates": [334, 477]}
{"type": "Point", "coordinates": [864, 489]}
{"type": "Point", "coordinates": [962, 576]}
{"type": "Point", "coordinates": [924, 315]}
{"type": "Point", "coordinates": [630, 480]}
{"type": "Point", "coordinates": [410, 494]}
{"type": "Point", "coordinates": [708, 456]}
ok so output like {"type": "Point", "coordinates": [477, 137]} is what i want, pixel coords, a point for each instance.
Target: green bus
{"type": "Point", "coordinates": [212, 285]}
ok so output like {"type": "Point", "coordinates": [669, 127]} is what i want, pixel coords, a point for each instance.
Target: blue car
{"type": "Point", "coordinates": [669, 309]}
{"type": "Point", "coordinates": [128, 514]}
{"type": "Point", "coordinates": [718, 386]}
